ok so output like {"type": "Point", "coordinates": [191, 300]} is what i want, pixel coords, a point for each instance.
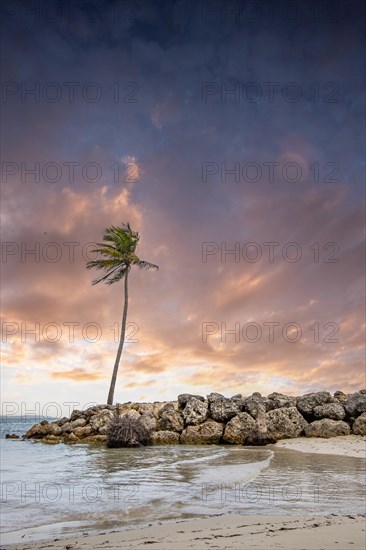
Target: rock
{"type": "Point", "coordinates": [51, 439]}
{"type": "Point", "coordinates": [78, 423]}
{"type": "Point", "coordinates": [335, 411]}
{"type": "Point", "coordinates": [76, 414]}
{"type": "Point", "coordinates": [183, 399]}
{"type": "Point", "coordinates": [253, 404]}
{"type": "Point", "coordinates": [66, 428]}
{"type": "Point", "coordinates": [195, 412]}
{"type": "Point", "coordinates": [223, 409]}
{"type": "Point", "coordinates": [341, 397]}
{"type": "Point", "coordinates": [149, 421]}
{"type": "Point", "coordinates": [171, 421]}
{"type": "Point", "coordinates": [236, 396]}
{"type": "Point", "coordinates": [11, 436]}
{"type": "Point", "coordinates": [359, 425]}
{"type": "Point", "coordinates": [63, 421]}
{"type": "Point", "coordinates": [55, 429]}
{"type": "Point", "coordinates": [258, 439]}
{"type": "Point", "coordinates": [167, 407]}
{"type": "Point", "coordinates": [38, 431]}
{"type": "Point", "coordinates": [280, 400]}
{"type": "Point", "coordinates": [70, 438]}
{"type": "Point", "coordinates": [356, 404]}
{"type": "Point", "coordinates": [103, 419]}
{"type": "Point", "coordinates": [285, 422]}
{"type": "Point", "coordinates": [83, 431]}
{"type": "Point", "coordinates": [210, 432]}
{"type": "Point", "coordinates": [306, 403]}
{"type": "Point", "coordinates": [238, 428]}
{"type": "Point", "coordinates": [165, 437]}
{"type": "Point", "coordinates": [213, 396]}
{"type": "Point", "coordinates": [327, 428]}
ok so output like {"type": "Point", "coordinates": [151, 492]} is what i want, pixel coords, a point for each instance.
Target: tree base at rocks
{"type": "Point", "coordinates": [127, 431]}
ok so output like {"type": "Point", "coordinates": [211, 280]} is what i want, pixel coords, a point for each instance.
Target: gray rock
{"type": "Point", "coordinates": [171, 421]}
{"type": "Point", "coordinates": [335, 411]}
{"type": "Point", "coordinates": [327, 428]}
{"type": "Point", "coordinates": [285, 422]}
{"type": "Point", "coordinates": [359, 425]}
{"type": "Point", "coordinates": [213, 396]}
{"type": "Point", "coordinates": [253, 404]}
{"type": "Point", "coordinates": [165, 437]}
{"type": "Point", "coordinates": [356, 404]}
{"type": "Point", "coordinates": [63, 421]}
{"type": "Point", "coordinates": [78, 423]}
{"type": "Point", "coordinates": [66, 428]}
{"type": "Point", "coordinates": [55, 429]}
{"type": "Point", "coordinates": [341, 397]}
{"type": "Point", "coordinates": [195, 412]}
{"type": "Point", "coordinates": [103, 419]}
{"type": "Point", "coordinates": [149, 421]}
{"type": "Point", "coordinates": [279, 400]}
{"type": "Point", "coordinates": [306, 403]}
{"type": "Point", "coordinates": [238, 428]}
{"type": "Point", "coordinates": [210, 432]}
{"type": "Point", "coordinates": [223, 409]}
{"type": "Point", "coordinates": [83, 431]}
{"type": "Point", "coordinates": [183, 399]}
{"type": "Point", "coordinates": [76, 414]}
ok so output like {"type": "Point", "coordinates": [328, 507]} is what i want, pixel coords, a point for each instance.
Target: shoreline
{"type": "Point", "coordinates": [226, 532]}
{"type": "Point", "coordinates": [235, 531]}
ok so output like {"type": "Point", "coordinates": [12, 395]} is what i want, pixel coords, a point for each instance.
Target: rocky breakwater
{"type": "Point", "coordinates": [193, 419]}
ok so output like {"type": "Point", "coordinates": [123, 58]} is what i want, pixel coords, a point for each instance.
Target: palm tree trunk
{"type": "Point", "coordinates": [120, 346]}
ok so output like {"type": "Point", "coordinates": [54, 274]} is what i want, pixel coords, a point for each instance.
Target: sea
{"type": "Point", "coordinates": [57, 491]}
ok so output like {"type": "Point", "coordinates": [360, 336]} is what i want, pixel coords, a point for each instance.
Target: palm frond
{"type": "Point", "coordinates": [117, 253]}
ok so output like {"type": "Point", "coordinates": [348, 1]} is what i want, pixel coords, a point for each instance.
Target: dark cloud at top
{"type": "Point", "coordinates": [182, 91]}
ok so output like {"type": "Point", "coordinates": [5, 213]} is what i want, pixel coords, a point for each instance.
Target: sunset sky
{"type": "Point", "coordinates": [137, 110]}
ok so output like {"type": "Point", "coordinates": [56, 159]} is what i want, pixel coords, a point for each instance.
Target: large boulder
{"type": "Point", "coordinates": [195, 412]}
{"type": "Point", "coordinates": [213, 396]}
{"type": "Point", "coordinates": [285, 422]}
{"type": "Point", "coordinates": [210, 432]}
{"type": "Point", "coordinates": [279, 400]}
{"type": "Point", "coordinates": [341, 397]}
{"type": "Point", "coordinates": [83, 431]}
{"type": "Point", "coordinates": [327, 428]}
{"type": "Point", "coordinates": [183, 399]}
{"type": "Point", "coordinates": [100, 422]}
{"type": "Point", "coordinates": [165, 437]}
{"type": "Point", "coordinates": [253, 404]}
{"type": "Point", "coordinates": [38, 430]}
{"type": "Point", "coordinates": [307, 403]}
{"type": "Point", "coordinates": [356, 403]}
{"type": "Point", "coordinates": [238, 428]}
{"type": "Point", "coordinates": [223, 409]}
{"type": "Point", "coordinates": [359, 425]}
{"type": "Point", "coordinates": [148, 419]}
{"type": "Point", "coordinates": [78, 423]}
{"type": "Point", "coordinates": [171, 421]}
{"type": "Point", "coordinates": [54, 429]}
{"type": "Point", "coordinates": [335, 411]}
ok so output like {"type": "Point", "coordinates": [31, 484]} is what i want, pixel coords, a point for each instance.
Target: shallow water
{"type": "Point", "coordinates": [60, 490]}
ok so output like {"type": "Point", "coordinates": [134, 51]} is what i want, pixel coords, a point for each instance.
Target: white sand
{"type": "Point", "coordinates": [346, 445]}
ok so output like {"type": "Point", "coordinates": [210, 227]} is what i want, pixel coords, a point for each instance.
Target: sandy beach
{"type": "Point", "coordinates": [235, 531]}
{"type": "Point", "coordinates": [229, 532]}
{"type": "Point", "coordinates": [346, 445]}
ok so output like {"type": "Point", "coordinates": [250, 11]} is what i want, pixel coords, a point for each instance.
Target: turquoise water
{"type": "Point", "coordinates": [59, 490]}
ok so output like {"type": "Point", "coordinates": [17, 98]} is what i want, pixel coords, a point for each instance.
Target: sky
{"type": "Point", "coordinates": [231, 135]}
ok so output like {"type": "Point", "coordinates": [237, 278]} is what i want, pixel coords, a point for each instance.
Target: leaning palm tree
{"type": "Point", "coordinates": [116, 257]}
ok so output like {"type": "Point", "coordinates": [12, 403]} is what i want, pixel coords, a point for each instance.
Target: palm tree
{"type": "Point", "coordinates": [116, 257]}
